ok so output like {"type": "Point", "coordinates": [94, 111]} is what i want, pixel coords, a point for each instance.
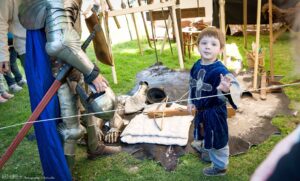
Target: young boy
{"type": "Point", "coordinates": [211, 85]}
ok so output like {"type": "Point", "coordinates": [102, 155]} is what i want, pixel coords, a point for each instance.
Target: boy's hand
{"type": "Point", "coordinates": [224, 84]}
{"type": "Point", "coordinates": [190, 108]}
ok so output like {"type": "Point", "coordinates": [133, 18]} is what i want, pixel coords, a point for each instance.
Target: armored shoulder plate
{"type": "Point", "coordinates": [32, 14]}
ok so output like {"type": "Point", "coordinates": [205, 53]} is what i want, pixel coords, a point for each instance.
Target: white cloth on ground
{"type": "Point", "coordinates": [142, 129]}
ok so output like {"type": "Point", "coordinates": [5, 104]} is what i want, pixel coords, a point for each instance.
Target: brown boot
{"type": "Point", "coordinates": [103, 150]}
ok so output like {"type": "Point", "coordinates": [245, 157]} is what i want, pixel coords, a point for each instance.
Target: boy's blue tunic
{"type": "Point", "coordinates": [211, 111]}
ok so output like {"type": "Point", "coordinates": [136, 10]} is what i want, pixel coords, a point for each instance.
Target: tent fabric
{"type": "Point", "coordinates": [39, 77]}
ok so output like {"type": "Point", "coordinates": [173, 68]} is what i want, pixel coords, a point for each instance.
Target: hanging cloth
{"type": "Point", "coordinates": [40, 78]}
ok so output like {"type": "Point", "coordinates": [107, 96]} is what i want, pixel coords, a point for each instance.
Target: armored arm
{"type": "Point", "coordinates": [58, 17]}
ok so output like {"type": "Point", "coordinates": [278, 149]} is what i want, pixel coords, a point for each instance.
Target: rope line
{"type": "Point", "coordinates": [179, 100]}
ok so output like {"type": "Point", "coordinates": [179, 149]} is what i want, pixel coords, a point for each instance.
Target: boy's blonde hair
{"type": "Point", "coordinates": [212, 32]}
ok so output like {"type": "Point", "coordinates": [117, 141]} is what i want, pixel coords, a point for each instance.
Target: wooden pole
{"type": "Point", "coordinates": [177, 36]}
{"type": "Point", "coordinates": [245, 18]}
{"type": "Point", "coordinates": [167, 29]}
{"type": "Point", "coordinates": [178, 26]}
{"type": "Point", "coordinates": [222, 27]}
{"type": "Point", "coordinates": [115, 18]}
{"type": "Point", "coordinates": [263, 85]}
{"type": "Point", "coordinates": [271, 40]}
{"type": "Point", "coordinates": [137, 33]}
{"type": "Point", "coordinates": [123, 6]}
{"type": "Point", "coordinates": [34, 116]}
{"type": "Point", "coordinates": [169, 24]}
{"type": "Point", "coordinates": [108, 40]}
{"type": "Point", "coordinates": [145, 25]}
{"type": "Point", "coordinates": [257, 44]}
{"type": "Point", "coordinates": [136, 30]}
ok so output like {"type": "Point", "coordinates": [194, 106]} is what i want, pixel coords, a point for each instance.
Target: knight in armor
{"type": "Point", "coordinates": [61, 22]}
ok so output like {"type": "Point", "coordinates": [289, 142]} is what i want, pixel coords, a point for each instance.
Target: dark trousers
{"type": "Point", "coordinates": [15, 74]}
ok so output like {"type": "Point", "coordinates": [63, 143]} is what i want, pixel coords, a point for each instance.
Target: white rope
{"type": "Point", "coordinates": [183, 100]}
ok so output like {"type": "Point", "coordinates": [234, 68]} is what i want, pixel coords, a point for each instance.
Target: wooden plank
{"type": "Point", "coordinates": [168, 112]}
{"type": "Point", "coordinates": [185, 13]}
{"type": "Point", "coordinates": [140, 9]}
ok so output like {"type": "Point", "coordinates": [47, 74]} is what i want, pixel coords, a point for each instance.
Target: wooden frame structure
{"type": "Point", "coordinates": [169, 4]}
{"type": "Point", "coordinates": [257, 37]}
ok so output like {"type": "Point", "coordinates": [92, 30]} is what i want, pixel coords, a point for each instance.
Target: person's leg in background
{"type": "Point", "coordinates": [11, 81]}
{"type": "Point", "coordinates": [4, 96]}
{"type": "Point", "coordinates": [2, 89]}
{"type": "Point", "coordinates": [14, 66]}
{"type": "Point", "coordinates": [23, 81]}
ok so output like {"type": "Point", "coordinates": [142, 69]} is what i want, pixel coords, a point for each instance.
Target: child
{"type": "Point", "coordinates": [210, 86]}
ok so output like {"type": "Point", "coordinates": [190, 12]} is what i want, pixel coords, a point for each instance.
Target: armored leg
{"type": "Point", "coordinates": [94, 134]}
{"type": "Point", "coordinates": [97, 148]}
{"type": "Point", "coordinates": [70, 129]}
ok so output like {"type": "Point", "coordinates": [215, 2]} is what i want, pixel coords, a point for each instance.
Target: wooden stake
{"type": "Point", "coordinates": [263, 85]}
{"type": "Point", "coordinates": [137, 33]}
{"type": "Point", "coordinates": [169, 24]}
{"type": "Point", "coordinates": [115, 18]}
{"type": "Point", "coordinates": [136, 30]}
{"type": "Point", "coordinates": [179, 47]}
{"type": "Point", "coordinates": [145, 25]}
{"type": "Point", "coordinates": [223, 28]}
{"type": "Point", "coordinates": [108, 39]}
{"type": "Point", "coordinates": [245, 17]}
{"type": "Point", "coordinates": [271, 40]}
{"type": "Point", "coordinates": [257, 44]}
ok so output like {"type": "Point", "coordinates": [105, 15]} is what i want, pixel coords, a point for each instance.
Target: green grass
{"type": "Point", "coordinates": [25, 161]}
